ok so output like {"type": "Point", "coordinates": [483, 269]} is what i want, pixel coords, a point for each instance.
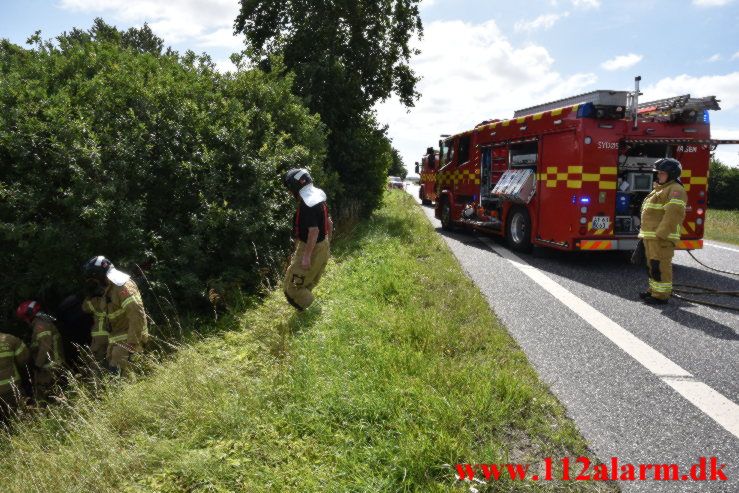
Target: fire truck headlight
{"type": "Point", "coordinates": [699, 220]}
{"type": "Point", "coordinates": [588, 140]}
{"type": "Point", "coordinates": [583, 220]}
{"type": "Point", "coordinates": [583, 210]}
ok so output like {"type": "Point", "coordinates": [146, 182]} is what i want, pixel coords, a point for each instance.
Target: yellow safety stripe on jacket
{"type": "Point", "coordinates": [98, 333]}
{"type": "Point", "coordinates": [7, 353]}
{"type": "Point", "coordinates": [647, 234]}
{"type": "Point", "coordinates": [118, 338]}
{"type": "Point", "coordinates": [20, 349]}
{"type": "Point", "coordinates": [679, 202]}
{"type": "Point", "coordinates": [660, 287]}
{"type": "Point", "coordinates": [122, 310]}
{"type": "Point", "coordinates": [44, 333]}
{"type": "Point", "coordinates": [653, 206]}
{"type": "Point", "coordinates": [12, 379]}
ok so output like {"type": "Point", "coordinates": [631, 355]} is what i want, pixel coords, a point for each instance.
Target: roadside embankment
{"type": "Point", "coordinates": [401, 373]}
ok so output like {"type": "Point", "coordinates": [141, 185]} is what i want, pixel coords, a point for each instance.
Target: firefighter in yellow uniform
{"type": "Point", "coordinates": [47, 350]}
{"type": "Point", "coordinates": [121, 304]}
{"type": "Point", "coordinates": [312, 228]}
{"type": "Point", "coordinates": [13, 357]}
{"type": "Point", "coordinates": [662, 215]}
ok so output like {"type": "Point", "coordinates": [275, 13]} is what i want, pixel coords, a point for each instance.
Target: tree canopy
{"type": "Point", "coordinates": [346, 55]}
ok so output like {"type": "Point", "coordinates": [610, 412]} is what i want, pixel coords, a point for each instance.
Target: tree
{"type": "Point", "coordinates": [396, 167]}
{"type": "Point", "coordinates": [723, 186]}
{"type": "Point", "coordinates": [346, 55]}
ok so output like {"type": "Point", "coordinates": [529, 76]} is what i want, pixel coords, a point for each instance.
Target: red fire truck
{"type": "Point", "coordinates": [427, 171]}
{"type": "Point", "coordinates": [572, 174]}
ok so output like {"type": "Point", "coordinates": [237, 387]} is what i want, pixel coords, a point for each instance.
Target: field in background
{"type": "Point", "coordinates": [722, 226]}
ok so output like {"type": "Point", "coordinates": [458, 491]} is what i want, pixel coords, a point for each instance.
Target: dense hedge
{"type": "Point", "coordinates": [723, 186]}
{"type": "Point", "coordinates": [108, 146]}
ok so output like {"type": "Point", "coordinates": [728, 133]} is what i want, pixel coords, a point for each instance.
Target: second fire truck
{"type": "Point", "coordinates": [572, 174]}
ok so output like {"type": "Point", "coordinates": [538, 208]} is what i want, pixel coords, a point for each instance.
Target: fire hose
{"type": "Point", "coordinates": [702, 290]}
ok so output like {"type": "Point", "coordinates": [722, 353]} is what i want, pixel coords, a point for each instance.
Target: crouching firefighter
{"type": "Point", "coordinates": [118, 310]}
{"type": "Point", "coordinates": [662, 215]}
{"type": "Point", "coordinates": [47, 351]}
{"type": "Point", "coordinates": [312, 228]}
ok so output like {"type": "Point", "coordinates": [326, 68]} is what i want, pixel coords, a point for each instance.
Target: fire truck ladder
{"type": "Point", "coordinates": [678, 105]}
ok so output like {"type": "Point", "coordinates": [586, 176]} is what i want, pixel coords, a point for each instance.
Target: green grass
{"type": "Point", "coordinates": [403, 372]}
{"type": "Point", "coordinates": [722, 226]}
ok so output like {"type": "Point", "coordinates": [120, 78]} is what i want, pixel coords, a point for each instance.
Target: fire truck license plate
{"type": "Point", "coordinates": [601, 222]}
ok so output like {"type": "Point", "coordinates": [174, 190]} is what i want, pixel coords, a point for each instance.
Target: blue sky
{"type": "Point", "coordinates": [480, 59]}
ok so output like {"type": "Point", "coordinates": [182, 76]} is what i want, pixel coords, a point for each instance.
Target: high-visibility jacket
{"type": "Point", "coordinates": [46, 344]}
{"type": "Point", "coordinates": [13, 355]}
{"type": "Point", "coordinates": [663, 212]}
{"type": "Point", "coordinates": [124, 310]}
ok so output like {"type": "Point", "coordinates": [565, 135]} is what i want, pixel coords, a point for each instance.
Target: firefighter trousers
{"type": "Point", "coordinates": [659, 266]}
{"type": "Point", "coordinates": [299, 283]}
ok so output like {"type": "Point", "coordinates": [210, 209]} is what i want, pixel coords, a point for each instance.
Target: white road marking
{"type": "Point", "coordinates": [722, 410]}
{"type": "Point", "coordinates": [711, 244]}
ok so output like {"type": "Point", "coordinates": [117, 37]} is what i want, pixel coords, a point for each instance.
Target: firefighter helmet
{"type": "Point", "coordinates": [295, 179]}
{"type": "Point", "coordinates": [97, 268]}
{"type": "Point", "coordinates": [672, 167]}
{"type": "Point", "coordinates": [28, 310]}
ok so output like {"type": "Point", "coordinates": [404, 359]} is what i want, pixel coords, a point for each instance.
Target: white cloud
{"type": "Point", "coordinates": [202, 23]}
{"type": "Point", "coordinates": [588, 4]}
{"type": "Point", "coordinates": [711, 3]}
{"type": "Point", "coordinates": [735, 55]}
{"type": "Point", "coordinates": [714, 58]}
{"type": "Point", "coordinates": [724, 87]}
{"type": "Point", "coordinates": [545, 21]}
{"type": "Point", "coordinates": [457, 94]}
{"type": "Point", "coordinates": [622, 61]}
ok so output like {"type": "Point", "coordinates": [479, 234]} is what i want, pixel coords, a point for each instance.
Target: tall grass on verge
{"type": "Point", "coordinates": [399, 373]}
{"type": "Point", "coordinates": [722, 226]}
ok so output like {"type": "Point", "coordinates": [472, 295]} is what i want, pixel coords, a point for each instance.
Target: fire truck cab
{"type": "Point", "coordinates": [572, 174]}
{"type": "Point", "coordinates": [427, 171]}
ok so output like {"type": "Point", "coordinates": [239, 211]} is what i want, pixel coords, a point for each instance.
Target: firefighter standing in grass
{"type": "Point", "coordinates": [47, 351]}
{"type": "Point", "coordinates": [118, 310]}
{"type": "Point", "coordinates": [13, 357]}
{"type": "Point", "coordinates": [662, 216]}
{"type": "Point", "coordinates": [312, 228]}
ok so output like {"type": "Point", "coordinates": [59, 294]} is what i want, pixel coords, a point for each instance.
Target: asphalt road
{"type": "Point", "coordinates": [643, 384]}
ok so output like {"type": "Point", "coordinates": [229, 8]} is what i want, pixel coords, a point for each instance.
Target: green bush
{"type": "Point", "coordinates": [723, 186]}
{"type": "Point", "coordinates": [108, 146]}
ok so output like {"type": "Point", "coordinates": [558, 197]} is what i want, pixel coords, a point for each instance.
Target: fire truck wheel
{"type": "Point", "coordinates": [446, 216]}
{"type": "Point", "coordinates": [518, 231]}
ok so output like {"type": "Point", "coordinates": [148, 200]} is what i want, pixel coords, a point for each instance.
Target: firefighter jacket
{"type": "Point", "coordinates": [13, 355]}
{"type": "Point", "coordinates": [663, 211]}
{"type": "Point", "coordinates": [125, 314]}
{"type": "Point", "coordinates": [46, 343]}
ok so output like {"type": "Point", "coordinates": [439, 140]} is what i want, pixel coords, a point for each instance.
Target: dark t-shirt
{"type": "Point", "coordinates": [309, 217]}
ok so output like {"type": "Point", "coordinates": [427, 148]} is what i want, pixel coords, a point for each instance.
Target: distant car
{"type": "Point", "coordinates": [395, 182]}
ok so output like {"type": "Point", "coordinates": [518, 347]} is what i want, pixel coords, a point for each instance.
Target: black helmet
{"type": "Point", "coordinates": [672, 167]}
{"type": "Point", "coordinates": [97, 268]}
{"type": "Point", "coordinates": [295, 179]}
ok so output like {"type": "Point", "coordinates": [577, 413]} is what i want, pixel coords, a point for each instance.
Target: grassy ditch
{"type": "Point", "coordinates": [722, 226]}
{"type": "Point", "coordinates": [401, 373]}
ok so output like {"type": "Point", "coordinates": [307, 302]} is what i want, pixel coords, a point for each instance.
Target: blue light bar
{"type": "Point", "coordinates": [584, 200]}
{"type": "Point", "coordinates": [706, 118]}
